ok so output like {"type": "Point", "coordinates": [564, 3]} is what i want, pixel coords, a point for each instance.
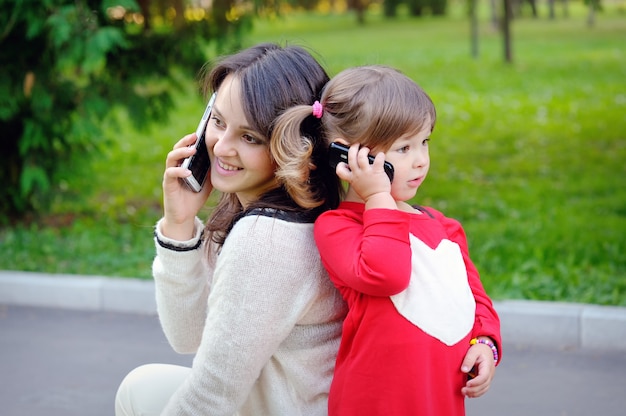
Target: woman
{"type": "Point", "coordinates": [246, 293]}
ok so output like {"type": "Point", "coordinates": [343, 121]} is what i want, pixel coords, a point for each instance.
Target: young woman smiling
{"type": "Point", "coordinates": [246, 292]}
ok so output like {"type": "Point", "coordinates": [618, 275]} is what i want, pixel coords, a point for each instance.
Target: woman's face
{"type": "Point", "coordinates": [240, 157]}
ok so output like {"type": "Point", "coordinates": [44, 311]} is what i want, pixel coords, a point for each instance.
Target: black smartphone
{"type": "Point", "coordinates": [338, 152]}
{"type": "Point", "coordinates": [199, 162]}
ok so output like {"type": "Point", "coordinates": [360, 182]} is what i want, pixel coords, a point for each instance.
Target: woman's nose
{"type": "Point", "coordinates": [223, 145]}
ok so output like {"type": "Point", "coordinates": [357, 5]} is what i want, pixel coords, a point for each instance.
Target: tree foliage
{"type": "Point", "coordinates": [416, 7]}
{"type": "Point", "coordinates": [67, 63]}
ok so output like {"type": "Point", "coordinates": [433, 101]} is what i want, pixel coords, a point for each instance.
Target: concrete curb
{"type": "Point", "coordinates": [528, 323]}
{"type": "Point", "coordinates": [563, 325]}
{"type": "Point", "coordinates": [93, 293]}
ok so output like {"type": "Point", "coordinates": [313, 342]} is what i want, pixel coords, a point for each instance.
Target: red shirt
{"type": "Point", "coordinates": [415, 300]}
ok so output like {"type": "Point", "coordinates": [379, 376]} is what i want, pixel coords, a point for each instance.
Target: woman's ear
{"type": "Point", "coordinates": [342, 141]}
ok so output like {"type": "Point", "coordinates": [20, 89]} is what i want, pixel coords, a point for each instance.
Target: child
{"type": "Point", "coordinates": [247, 293]}
{"type": "Point", "coordinates": [419, 319]}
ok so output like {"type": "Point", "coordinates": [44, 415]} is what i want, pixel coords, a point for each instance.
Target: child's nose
{"type": "Point", "coordinates": [420, 159]}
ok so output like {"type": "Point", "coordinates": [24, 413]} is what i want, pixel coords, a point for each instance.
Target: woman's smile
{"type": "Point", "coordinates": [225, 168]}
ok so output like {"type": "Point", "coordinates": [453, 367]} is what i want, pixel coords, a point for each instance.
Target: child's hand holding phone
{"type": "Point", "coordinates": [363, 185]}
{"type": "Point", "coordinates": [338, 152]}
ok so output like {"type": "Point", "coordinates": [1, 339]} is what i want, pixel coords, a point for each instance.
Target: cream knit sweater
{"type": "Point", "coordinates": [264, 321]}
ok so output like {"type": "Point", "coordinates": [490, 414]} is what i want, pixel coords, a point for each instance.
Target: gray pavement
{"type": "Point", "coordinates": [61, 362]}
{"type": "Point", "coordinates": [67, 341]}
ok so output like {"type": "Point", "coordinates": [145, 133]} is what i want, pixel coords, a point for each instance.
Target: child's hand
{"type": "Point", "coordinates": [480, 358]}
{"type": "Point", "coordinates": [369, 181]}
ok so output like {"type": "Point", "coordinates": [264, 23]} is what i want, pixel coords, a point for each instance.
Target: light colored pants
{"type": "Point", "coordinates": [146, 390]}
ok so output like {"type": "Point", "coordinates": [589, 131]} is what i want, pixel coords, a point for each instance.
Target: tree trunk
{"type": "Point", "coordinates": [551, 14]}
{"type": "Point", "coordinates": [144, 6]}
{"type": "Point", "coordinates": [473, 28]}
{"type": "Point", "coordinates": [533, 7]}
{"type": "Point", "coordinates": [591, 17]}
{"type": "Point", "coordinates": [179, 20]}
{"type": "Point", "coordinates": [506, 32]}
{"type": "Point", "coordinates": [494, 14]}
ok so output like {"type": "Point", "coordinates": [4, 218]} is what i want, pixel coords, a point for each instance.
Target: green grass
{"type": "Point", "coordinates": [530, 157]}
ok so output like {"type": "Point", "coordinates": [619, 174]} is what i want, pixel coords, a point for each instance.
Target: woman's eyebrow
{"type": "Point", "coordinates": [244, 127]}
{"type": "Point", "coordinates": [215, 111]}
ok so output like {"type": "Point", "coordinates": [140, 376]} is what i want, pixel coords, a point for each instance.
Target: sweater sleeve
{"type": "Point", "coordinates": [182, 278]}
{"type": "Point", "coordinates": [486, 321]}
{"type": "Point", "coordinates": [370, 253]}
{"type": "Point", "coordinates": [259, 292]}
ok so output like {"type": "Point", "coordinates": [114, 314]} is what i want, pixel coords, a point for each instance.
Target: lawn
{"type": "Point", "coordinates": [529, 156]}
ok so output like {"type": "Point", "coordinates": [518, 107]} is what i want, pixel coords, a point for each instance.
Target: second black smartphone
{"type": "Point", "coordinates": [338, 152]}
{"type": "Point", "coordinates": [199, 163]}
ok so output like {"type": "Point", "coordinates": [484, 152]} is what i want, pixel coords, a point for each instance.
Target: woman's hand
{"type": "Point", "coordinates": [180, 203]}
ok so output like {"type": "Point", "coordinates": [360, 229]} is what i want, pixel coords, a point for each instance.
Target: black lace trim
{"type": "Point", "coordinates": [173, 247]}
{"type": "Point", "coordinates": [303, 217]}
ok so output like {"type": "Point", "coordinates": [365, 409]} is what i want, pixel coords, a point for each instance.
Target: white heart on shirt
{"type": "Point", "coordinates": [438, 299]}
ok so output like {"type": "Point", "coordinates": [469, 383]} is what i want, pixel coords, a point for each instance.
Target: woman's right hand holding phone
{"type": "Point", "coordinates": [181, 204]}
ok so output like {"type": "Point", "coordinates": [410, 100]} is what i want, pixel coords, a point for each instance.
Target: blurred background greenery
{"type": "Point", "coordinates": [528, 153]}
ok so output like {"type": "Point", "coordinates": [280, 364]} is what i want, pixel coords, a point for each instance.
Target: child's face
{"type": "Point", "coordinates": [240, 157]}
{"type": "Point", "coordinates": [411, 161]}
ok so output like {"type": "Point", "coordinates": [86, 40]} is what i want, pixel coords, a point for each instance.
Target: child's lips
{"type": "Point", "coordinates": [417, 181]}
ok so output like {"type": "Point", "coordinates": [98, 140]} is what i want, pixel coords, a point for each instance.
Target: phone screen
{"type": "Point", "coordinates": [199, 163]}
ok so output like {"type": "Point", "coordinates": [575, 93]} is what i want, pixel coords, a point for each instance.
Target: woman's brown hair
{"type": "Point", "coordinates": [273, 79]}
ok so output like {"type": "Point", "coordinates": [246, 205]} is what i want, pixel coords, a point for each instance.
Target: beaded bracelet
{"type": "Point", "coordinates": [488, 343]}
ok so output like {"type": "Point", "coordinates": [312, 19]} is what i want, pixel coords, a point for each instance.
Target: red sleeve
{"type": "Point", "coordinates": [367, 251]}
{"type": "Point", "coordinates": [486, 321]}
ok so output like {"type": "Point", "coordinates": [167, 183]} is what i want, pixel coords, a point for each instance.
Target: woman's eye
{"type": "Point", "coordinates": [217, 121]}
{"type": "Point", "coordinates": [251, 139]}
{"type": "Point", "coordinates": [425, 142]}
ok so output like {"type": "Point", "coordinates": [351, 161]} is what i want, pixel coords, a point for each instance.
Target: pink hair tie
{"type": "Point", "coordinates": [318, 110]}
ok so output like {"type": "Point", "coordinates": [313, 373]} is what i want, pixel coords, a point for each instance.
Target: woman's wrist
{"type": "Point", "coordinates": [186, 242]}
{"type": "Point", "coordinates": [177, 231]}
